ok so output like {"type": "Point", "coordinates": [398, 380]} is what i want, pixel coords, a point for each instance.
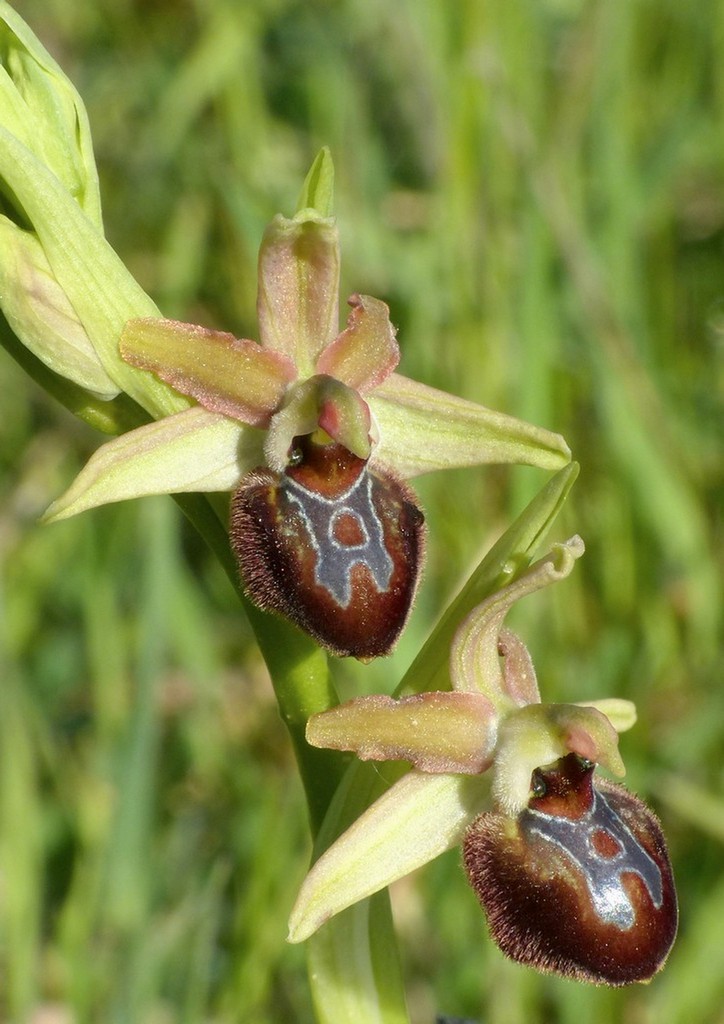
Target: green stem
{"type": "Point", "coordinates": [353, 961]}
{"type": "Point", "coordinates": [298, 668]}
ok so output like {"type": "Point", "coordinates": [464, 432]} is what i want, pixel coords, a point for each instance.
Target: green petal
{"type": "Point", "coordinates": [366, 352]}
{"type": "Point", "coordinates": [422, 429]}
{"type": "Point", "coordinates": [297, 304]}
{"type": "Point", "coordinates": [419, 818]}
{"type": "Point", "coordinates": [437, 732]}
{"type": "Point", "coordinates": [194, 450]}
{"type": "Point", "coordinates": [227, 375]}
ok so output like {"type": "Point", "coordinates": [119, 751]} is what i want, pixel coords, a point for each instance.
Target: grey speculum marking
{"type": "Point", "coordinates": [335, 561]}
{"type": "Point", "coordinates": [603, 875]}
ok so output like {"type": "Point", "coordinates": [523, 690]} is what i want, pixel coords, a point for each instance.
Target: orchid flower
{"type": "Point", "coordinates": [574, 876]}
{"type": "Point", "coordinates": [315, 433]}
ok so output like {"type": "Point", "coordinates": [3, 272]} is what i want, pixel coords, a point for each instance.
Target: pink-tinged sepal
{"type": "Point", "coordinates": [580, 883]}
{"type": "Point", "coordinates": [333, 545]}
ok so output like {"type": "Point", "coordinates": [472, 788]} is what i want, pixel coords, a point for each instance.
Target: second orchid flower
{"type": "Point", "coordinates": [572, 871]}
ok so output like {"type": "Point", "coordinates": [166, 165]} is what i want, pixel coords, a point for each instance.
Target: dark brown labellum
{"type": "Point", "coordinates": [580, 883]}
{"type": "Point", "coordinates": [333, 545]}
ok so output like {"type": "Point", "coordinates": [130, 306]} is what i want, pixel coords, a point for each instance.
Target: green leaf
{"type": "Point", "coordinates": [41, 316]}
{"type": "Point", "coordinates": [354, 967]}
{"type": "Point", "coordinates": [99, 287]}
{"type": "Point", "coordinates": [41, 107]}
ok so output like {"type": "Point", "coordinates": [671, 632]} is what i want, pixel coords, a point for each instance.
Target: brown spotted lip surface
{"type": "Point", "coordinates": [331, 544]}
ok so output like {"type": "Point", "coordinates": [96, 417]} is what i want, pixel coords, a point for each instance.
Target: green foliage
{"type": "Point", "coordinates": [535, 189]}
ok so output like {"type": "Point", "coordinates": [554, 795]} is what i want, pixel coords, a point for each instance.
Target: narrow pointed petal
{"type": "Point", "coordinates": [438, 732]}
{"type": "Point", "coordinates": [422, 429]}
{"type": "Point", "coordinates": [227, 375]}
{"type": "Point", "coordinates": [415, 821]}
{"type": "Point", "coordinates": [194, 450]}
{"type": "Point", "coordinates": [297, 304]}
{"type": "Point", "coordinates": [366, 352]}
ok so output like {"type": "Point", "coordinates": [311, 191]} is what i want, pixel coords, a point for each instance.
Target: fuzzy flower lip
{"type": "Point", "coordinates": [252, 398]}
{"type": "Point", "coordinates": [493, 718]}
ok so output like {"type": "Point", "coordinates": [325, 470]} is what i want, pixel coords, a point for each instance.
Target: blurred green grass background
{"type": "Point", "coordinates": [536, 187]}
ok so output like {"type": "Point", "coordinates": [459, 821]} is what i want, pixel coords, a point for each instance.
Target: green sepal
{"type": "Point", "coordinates": [422, 429]}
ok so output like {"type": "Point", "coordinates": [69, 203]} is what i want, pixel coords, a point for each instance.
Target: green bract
{"type": "Point", "coordinates": [64, 291]}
